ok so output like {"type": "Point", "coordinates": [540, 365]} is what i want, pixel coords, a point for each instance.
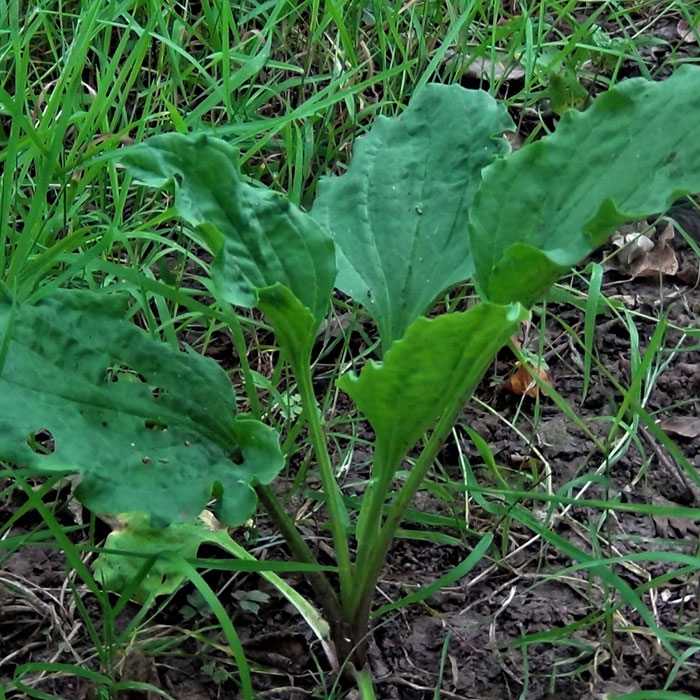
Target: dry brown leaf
{"type": "Point", "coordinates": [685, 426]}
{"type": "Point", "coordinates": [686, 33]}
{"type": "Point", "coordinates": [682, 526]}
{"type": "Point", "coordinates": [520, 382]}
{"type": "Point", "coordinates": [639, 256]}
{"type": "Point", "coordinates": [482, 68]}
{"type": "Point", "coordinates": [500, 69]}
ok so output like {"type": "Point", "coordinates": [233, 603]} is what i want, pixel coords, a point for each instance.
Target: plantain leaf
{"type": "Point", "coordinates": [436, 364]}
{"type": "Point", "coordinates": [548, 206]}
{"type": "Point", "coordinates": [399, 215]}
{"type": "Point", "coordinates": [147, 427]}
{"type": "Point", "coordinates": [295, 327]}
{"type": "Point", "coordinates": [116, 571]}
{"type": "Point", "coordinates": [258, 237]}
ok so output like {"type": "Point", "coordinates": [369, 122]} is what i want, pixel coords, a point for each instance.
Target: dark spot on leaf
{"type": "Point", "coordinates": [41, 442]}
{"type": "Point", "coordinates": [104, 424]}
{"type": "Point", "coordinates": [146, 461]}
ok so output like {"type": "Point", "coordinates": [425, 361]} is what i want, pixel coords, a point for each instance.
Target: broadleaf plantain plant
{"type": "Point", "coordinates": [432, 198]}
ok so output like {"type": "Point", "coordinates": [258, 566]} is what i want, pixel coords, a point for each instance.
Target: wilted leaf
{"type": "Point", "coordinates": [632, 246]}
{"type": "Point", "coordinates": [399, 215]}
{"type": "Point", "coordinates": [137, 537]}
{"type": "Point", "coordinates": [149, 428]}
{"type": "Point", "coordinates": [685, 426]}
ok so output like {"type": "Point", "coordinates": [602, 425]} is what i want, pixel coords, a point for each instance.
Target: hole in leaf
{"type": "Point", "coordinates": [123, 373]}
{"type": "Point", "coordinates": [155, 424]}
{"type": "Point", "coordinates": [158, 391]}
{"type": "Point", "coordinates": [41, 442]}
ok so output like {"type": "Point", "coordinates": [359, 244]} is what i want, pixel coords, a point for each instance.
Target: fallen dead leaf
{"type": "Point", "coordinates": [682, 526]}
{"type": "Point", "coordinates": [685, 426]}
{"type": "Point", "coordinates": [686, 33]}
{"type": "Point", "coordinates": [639, 256]}
{"type": "Point", "coordinates": [482, 68]}
{"type": "Point", "coordinates": [520, 382]}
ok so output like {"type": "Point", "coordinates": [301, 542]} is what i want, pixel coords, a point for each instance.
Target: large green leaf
{"type": "Point", "coordinates": [434, 368]}
{"type": "Point", "coordinates": [148, 427]}
{"type": "Point", "coordinates": [258, 236]}
{"type": "Point", "coordinates": [399, 215]}
{"type": "Point", "coordinates": [438, 362]}
{"type": "Point", "coordinates": [546, 207]}
{"type": "Point", "coordinates": [295, 327]}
